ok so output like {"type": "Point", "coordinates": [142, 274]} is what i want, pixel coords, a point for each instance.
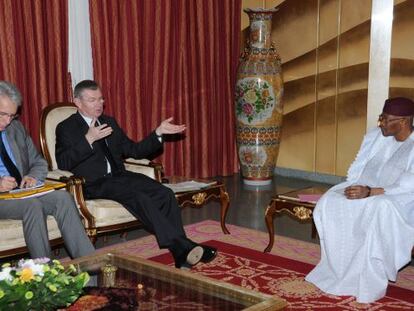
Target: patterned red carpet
{"type": "Point", "coordinates": [242, 262]}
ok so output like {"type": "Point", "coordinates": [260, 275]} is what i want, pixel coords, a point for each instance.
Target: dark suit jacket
{"type": "Point", "coordinates": [73, 152]}
{"type": "Point", "coordinates": [28, 160]}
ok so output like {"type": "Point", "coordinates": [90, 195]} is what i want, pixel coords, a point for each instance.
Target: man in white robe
{"type": "Point", "coordinates": [366, 224]}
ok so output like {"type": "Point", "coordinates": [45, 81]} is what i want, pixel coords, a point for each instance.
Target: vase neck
{"type": "Point", "coordinates": [260, 29]}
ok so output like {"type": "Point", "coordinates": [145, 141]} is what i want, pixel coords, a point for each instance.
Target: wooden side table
{"type": "Point", "coordinates": [290, 203]}
{"type": "Point", "coordinates": [215, 191]}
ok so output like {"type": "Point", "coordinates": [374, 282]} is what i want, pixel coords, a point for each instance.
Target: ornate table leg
{"type": "Point", "coordinates": [313, 230]}
{"type": "Point", "coordinates": [225, 203]}
{"type": "Point", "coordinates": [270, 212]}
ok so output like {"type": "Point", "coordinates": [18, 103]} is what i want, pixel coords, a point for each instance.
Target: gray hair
{"type": "Point", "coordinates": [11, 91]}
{"type": "Point", "coordinates": [84, 85]}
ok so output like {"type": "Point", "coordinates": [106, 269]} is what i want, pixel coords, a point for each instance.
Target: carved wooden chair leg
{"type": "Point", "coordinates": [105, 239]}
{"type": "Point", "coordinates": [314, 231]}
{"type": "Point", "coordinates": [124, 235]}
{"type": "Point", "coordinates": [92, 235]}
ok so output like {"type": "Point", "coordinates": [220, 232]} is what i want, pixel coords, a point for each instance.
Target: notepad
{"type": "Point", "coordinates": [31, 192]}
{"type": "Point", "coordinates": [17, 190]}
{"type": "Point", "coordinates": [190, 185]}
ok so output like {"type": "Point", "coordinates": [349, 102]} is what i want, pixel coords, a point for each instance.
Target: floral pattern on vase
{"type": "Point", "coordinates": [258, 101]}
{"type": "Point", "coordinates": [255, 100]}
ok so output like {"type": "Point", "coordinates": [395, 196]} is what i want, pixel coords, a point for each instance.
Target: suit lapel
{"type": "Point", "coordinates": [12, 140]}
{"type": "Point", "coordinates": [81, 122]}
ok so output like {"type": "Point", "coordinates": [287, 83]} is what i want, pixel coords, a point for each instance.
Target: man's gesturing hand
{"type": "Point", "coordinates": [166, 127]}
{"type": "Point", "coordinates": [97, 132]}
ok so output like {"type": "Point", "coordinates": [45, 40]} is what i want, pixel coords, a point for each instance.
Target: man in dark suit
{"type": "Point", "coordinates": [22, 166]}
{"type": "Point", "coordinates": [92, 145]}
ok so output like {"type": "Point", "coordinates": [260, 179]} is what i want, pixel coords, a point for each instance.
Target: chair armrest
{"type": "Point", "coordinates": [138, 161]}
{"type": "Point", "coordinates": [58, 175]}
{"type": "Point", "coordinates": [146, 167]}
{"type": "Point", "coordinates": [74, 186]}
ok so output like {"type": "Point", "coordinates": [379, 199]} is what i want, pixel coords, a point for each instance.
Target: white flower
{"type": "Point", "coordinates": [5, 274]}
{"type": "Point", "coordinates": [29, 263]}
{"type": "Point", "coordinates": [41, 260]}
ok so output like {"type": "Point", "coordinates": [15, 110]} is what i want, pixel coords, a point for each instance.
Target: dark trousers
{"type": "Point", "coordinates": [149, 201]}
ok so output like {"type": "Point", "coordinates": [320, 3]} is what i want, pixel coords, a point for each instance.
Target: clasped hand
{"type": "Point", "coordinates": [356, 192]}
{"type": "Point", "coordinates": [8, 183]}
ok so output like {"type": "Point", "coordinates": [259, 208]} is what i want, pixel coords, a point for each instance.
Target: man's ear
{"type": "Point", "coordinates": [76, 101]}
{"type": "Point", "coordinates": [408, 121]}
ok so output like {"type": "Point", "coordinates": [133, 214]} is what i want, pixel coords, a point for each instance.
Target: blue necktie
{"type": "Point", "coordinates": [8, 163]}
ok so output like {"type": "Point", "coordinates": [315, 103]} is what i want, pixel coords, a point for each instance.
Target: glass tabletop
{"type": "Point", "coordinates": [140, 284]}
{"type": "Point", "coordinates": [310, 194]}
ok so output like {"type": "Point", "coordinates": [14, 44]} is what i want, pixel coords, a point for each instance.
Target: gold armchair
{"type": "Point", "coordinates": [99, 216]}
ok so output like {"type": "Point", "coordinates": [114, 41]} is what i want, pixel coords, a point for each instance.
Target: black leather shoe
{"type": "Point", "coordinates": [209, 253]}
{"type": "Point", "coordinates": [190, 258]}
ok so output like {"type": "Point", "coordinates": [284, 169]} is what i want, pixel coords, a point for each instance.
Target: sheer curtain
{"type": "Point", "coordinates": [80, 51]}
{"type": "Point", "coordinates": [33, 54]}
{"type": "Point", "coordinates": [162, 58]}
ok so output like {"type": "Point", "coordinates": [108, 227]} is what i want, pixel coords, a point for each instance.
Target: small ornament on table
{"type": "Point", "coordinates": [140, 291]}
{"type": "Point", "coordinates": [109, 275]}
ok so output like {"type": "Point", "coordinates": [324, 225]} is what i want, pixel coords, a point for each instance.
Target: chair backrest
{"type": "Point", "coordinates": [51, 116]}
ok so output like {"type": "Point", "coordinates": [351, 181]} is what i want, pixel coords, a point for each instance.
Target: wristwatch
{"type": "Point", "coordinates": [369, 191]}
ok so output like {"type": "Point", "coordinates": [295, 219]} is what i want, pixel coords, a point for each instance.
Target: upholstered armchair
{"type": "Point", "coordinates": [99, 216]}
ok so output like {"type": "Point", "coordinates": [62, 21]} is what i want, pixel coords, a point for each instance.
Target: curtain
{"type": "Point", "coordinates": [33, 54]}
{"type": "Point", "coordinates": [160, 58]}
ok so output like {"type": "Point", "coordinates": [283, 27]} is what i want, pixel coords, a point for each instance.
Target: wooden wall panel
{"type": "Point", "coordinates": [324, 46]}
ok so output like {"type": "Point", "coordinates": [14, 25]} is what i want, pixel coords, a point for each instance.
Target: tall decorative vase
{"type": "Point", "coordinates": [258, 101]}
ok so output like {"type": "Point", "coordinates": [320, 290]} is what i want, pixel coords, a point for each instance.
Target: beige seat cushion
{"type": "Point", "coordinates": [107, 212]}
{"type": "Point", "coordinates": [12, 233]}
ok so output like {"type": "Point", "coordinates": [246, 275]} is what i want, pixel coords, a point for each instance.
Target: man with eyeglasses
{"type": "Point", "coordinates": [21, 166]}
{"type": "Point", "coordinates": [366, 224]}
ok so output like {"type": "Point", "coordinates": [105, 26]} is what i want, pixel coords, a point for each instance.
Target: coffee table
{"type": "Point", "coordinates": [215, 191]}
{"type": "Point", "coordinates": [160, 287]}
{"type": "Point", "coordinates": [290, 203]}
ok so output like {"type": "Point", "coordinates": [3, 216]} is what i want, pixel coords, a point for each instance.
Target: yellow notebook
{"type": "Point", "coordinates": [32, 192]}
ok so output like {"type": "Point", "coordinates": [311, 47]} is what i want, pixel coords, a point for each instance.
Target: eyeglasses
{"type": "Point", "coordinates": [386, 119]}
{"type": "Point", "coordinates": [4, 115]}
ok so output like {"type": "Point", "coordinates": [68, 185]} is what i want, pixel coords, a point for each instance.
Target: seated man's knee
{"type": "Point", "coordinates": [64, 201]}
{"type": "Point", "coordinates": [33, 210]}
{"type": "Point", "coordinates": [381, 201]}
{"type": "Point", "coordinates": [63, 195]}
